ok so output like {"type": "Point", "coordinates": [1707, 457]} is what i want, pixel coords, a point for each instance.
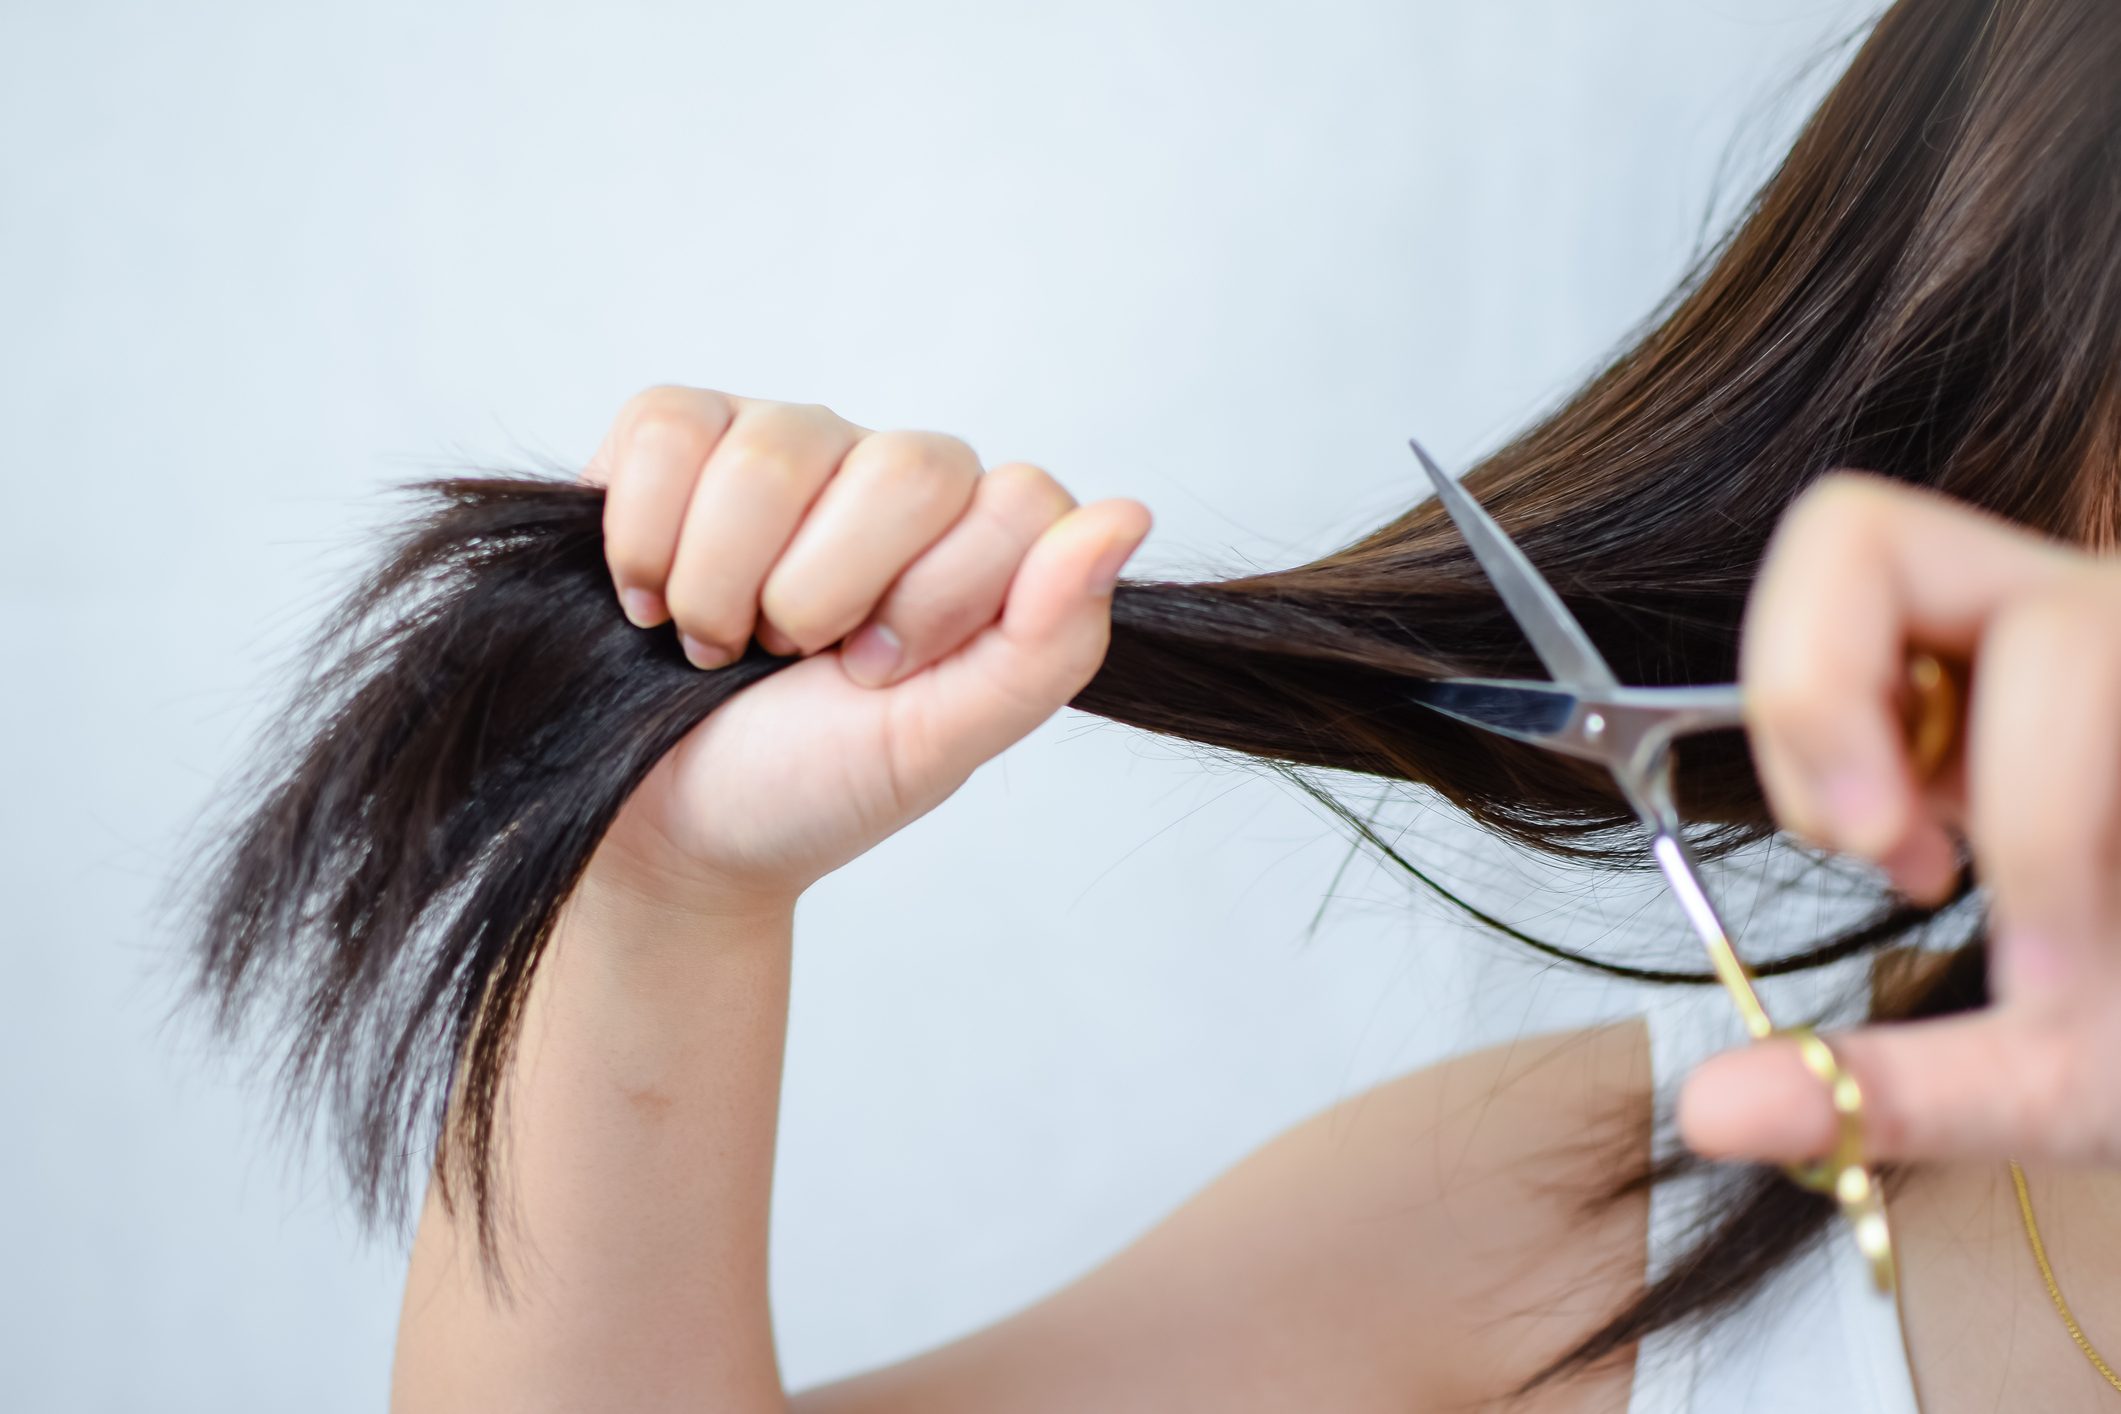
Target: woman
{"type": "Point", "coordinates": [529, 872]}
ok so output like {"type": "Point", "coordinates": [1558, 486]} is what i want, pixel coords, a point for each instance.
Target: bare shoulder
{"type": "Point", "coordinates": [1429, 1242]}
{"type": "Point", "coordinates": [1485, 1183]}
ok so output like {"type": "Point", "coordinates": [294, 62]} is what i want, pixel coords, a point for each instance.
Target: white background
{"type": "Point", "coordinates": [257, 262]}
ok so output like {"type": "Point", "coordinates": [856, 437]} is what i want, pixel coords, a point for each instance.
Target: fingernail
{"type": "Point", "coordinates": [872, 655]}
{"type": "Point", "coordinates": [643, 607]}
{"type": "Point", "coordinates": [704, 655]}
{"type": "Point", "coordinates": [1858, 809]}
{"type": "Point", "coordinates": [1105, 573]}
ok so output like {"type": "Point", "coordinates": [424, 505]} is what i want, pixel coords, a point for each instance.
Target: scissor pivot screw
{"type": "Point", "coordinates": [1594, 725]}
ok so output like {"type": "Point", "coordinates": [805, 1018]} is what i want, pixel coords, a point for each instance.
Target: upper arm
{"type": "Point", "coordinates": [1431, 1240]}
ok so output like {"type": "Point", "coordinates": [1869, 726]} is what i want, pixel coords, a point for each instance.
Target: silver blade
{"type": "Point", "coordinates": [1533, 712]}
{"type": "Point", "coordinates": [1556, 637]}
{"type": "Point", "coordinates": [1684, 876]}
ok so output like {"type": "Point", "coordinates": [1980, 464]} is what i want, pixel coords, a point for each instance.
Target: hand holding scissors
{"type": "Point", "coordinates": [1865, 577]}
{"type": "Point", "coordinates": [1860, 570]}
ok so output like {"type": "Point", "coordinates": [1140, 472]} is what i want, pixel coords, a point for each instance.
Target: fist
{"type": "Point", "coordinates": [940, 611]}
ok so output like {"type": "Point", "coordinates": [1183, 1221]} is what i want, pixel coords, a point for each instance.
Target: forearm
{"type": "Point", "coordinates": [638, 1165]}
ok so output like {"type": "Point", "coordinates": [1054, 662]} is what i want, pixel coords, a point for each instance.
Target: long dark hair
{"type": "Point", "coordinates": [1928, 287]}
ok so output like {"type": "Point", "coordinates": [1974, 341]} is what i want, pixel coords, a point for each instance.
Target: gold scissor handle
{"type": "Point", "coordinates": [1844, 1172]}
{"type": "Point", "coordinates": [1931, 712]}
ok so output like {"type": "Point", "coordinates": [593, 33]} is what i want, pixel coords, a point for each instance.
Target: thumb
{"type": "Point", "coordinates": [1048, 642]}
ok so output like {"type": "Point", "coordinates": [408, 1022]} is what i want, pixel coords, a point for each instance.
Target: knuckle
{"type": "Point", "coordinates": [788, 419]}
{"type": "Point", "coordinates": [931, 618]}
{"type": "Point", "coordinates": [1024, 484]}
{"type": "Point", "coordinates": [809, 622]}
{"type": "Point", "coordinates": [925, 468]}
{"type": "Point", "coordinates": [759, 456]}
{"type": "Point", "coordinates": [777, 444]}
{"type": "Point", "coordinates": [668, 410]}
{"type": "Point", "coordinates": [1845, 502]}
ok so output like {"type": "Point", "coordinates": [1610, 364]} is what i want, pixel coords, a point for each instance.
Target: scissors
{"type": "Point", "coordinates": [1586, 712]}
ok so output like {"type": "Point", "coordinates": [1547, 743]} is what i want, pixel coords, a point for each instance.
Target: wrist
{"type": "Point", "coordinates": [646, 921]}
{"type": "Point", "coordinates": [620, 880]}
{"type": "Point", "coordinates": [618, 940]}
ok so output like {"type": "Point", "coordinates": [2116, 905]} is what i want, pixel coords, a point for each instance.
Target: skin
{"type": "Point", "coordinates": [1423, 1245]}
{"type": "Point", "coordinates": [1859, 571]}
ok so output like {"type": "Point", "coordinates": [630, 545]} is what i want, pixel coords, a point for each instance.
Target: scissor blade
{"type": "Point", "coordinates": [1681, 872]}
{"type": "Point", "coordinates": [1526, 711]}
{"type": "Point", "coordinates": [1556, 637]}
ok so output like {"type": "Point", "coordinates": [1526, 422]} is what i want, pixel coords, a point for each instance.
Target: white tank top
{"type": "Point", "coordinates": [1818, 1337]}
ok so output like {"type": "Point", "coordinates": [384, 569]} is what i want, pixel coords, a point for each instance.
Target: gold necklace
{"type": "Point", "coordinates": [2047, 1274]}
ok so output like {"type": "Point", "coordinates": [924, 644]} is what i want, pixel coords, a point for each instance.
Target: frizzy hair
{"type": "Point", "coordinates": [1928, 287]}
